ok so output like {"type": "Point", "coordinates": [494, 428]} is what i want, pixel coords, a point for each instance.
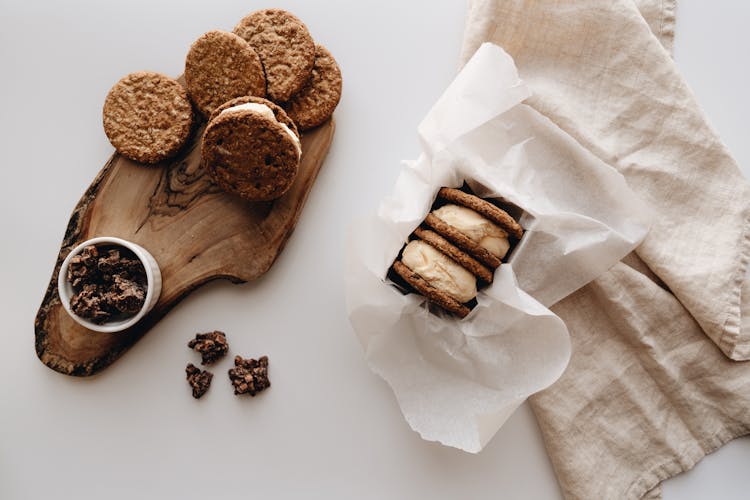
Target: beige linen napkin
{"type": "Point", "coordinates": [649, 390]}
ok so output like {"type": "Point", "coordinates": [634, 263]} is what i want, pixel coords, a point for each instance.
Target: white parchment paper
{"type": "Point", "coordinates": [457, 381]}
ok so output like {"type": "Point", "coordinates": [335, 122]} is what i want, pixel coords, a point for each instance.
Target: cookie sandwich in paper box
{"type": "Point", "coordinates": [449, 284]}
{"type": "Point", "coordinates": [467, 239]}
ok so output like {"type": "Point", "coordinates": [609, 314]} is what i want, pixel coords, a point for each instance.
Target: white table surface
{"type": "Point", "coordinates": [328, 428]}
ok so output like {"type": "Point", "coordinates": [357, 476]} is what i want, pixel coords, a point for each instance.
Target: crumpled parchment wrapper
{"type": "Point", "coordinates": [457, 381]}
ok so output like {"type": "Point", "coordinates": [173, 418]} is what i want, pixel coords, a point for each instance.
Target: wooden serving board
{"type": "Point", "coordinates": [195, 231]}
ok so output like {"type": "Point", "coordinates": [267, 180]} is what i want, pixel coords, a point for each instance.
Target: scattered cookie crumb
{"type": "Point", "coordinates": [199, 380]}
{"type": "Point", "coordinates": [249, 376]}
{"type": "Point", "coordinates": [211, 346]}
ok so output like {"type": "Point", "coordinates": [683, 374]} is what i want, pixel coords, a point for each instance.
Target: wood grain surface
{"type": "Point", "coordinates": [195, 231]}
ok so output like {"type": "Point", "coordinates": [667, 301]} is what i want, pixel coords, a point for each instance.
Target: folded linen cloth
{"type": "Point", "coordinates": [650, 389]}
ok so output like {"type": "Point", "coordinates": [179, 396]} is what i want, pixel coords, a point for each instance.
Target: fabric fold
{"type": "Point", "coordinates": [599, 73]}
{"type": "Point", "coordinates": [660, 16]}
{"type": "Point", "coordinates": [650, 388]}
{"type": "Point", "coordinates": [645, 396]}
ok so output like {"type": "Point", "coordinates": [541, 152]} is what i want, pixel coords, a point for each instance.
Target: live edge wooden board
{"type": "Point", "coordinates": [196, 232]}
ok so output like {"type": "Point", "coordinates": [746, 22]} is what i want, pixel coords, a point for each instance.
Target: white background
{"type": "Point", "coordinates": [328, 428]}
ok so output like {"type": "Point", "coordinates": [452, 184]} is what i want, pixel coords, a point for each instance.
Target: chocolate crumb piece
{"type": "Point", "coordinates": [89, 255]}
{"type": "Point", "coordinates": [199, 380]}
{"type": "Point", "coordinates": [249, 376]}
{"type": "Point", "coordinates": [126, 296]}
{"type": "Point", "coordinates": [116, 264]}
{"type": "Point", "coordinates": [88, 304]}
{"type": "Point", "coordinates": [109, 283]}
{"type": "Point", "coordinates": [212, 346]}
{"type": "Point", "coordinates": [107, 264]}
{"type": "Point", "coordinates": [81, 266]}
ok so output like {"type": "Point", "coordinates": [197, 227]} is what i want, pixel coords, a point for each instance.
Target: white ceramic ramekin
{"type": "Point", "coordinates": [153, 284]}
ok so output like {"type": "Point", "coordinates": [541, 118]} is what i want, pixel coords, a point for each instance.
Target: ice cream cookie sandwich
{"type": "Point", "coordinates": [285, 47]}
{"type": "Point", "coordinates": [147, 117]}
{"type": "Point", "coordinates": [251, 148]}
{"type": "Point", "coordinates": [221, 66]}
{"type": "Point", "coordinates": [465, 260]}
{"type": "Point", "coordinates": [468, 238]}
{"type": "Point", "coordinates": [425, 287]}
{"type": "Point", "coordinates": [483, 207]}
{"type": "Point", "coordinates": [317, 100]}
{"type": "Point", "coordinates": [474, 225]}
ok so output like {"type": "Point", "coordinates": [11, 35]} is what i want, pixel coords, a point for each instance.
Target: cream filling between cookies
{"type": "Point", "coordinates": [439, 270]}
{"type": "Point", "coordinates": [266, 112]}
{"type": "Point", "coordinates": [482, 231]}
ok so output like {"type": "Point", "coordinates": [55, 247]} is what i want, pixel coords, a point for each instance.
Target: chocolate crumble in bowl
{"type": "Point", "coordinates": [109, 283]}
{"type": "Point", "coordinates": [211, 346]}
{"type": "Point", "coordinates": [199, 380]}
{"type": "Point", "coordinates": [249, 376]}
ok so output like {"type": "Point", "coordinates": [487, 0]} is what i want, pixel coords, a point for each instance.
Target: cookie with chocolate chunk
{"type": "Point", "coordinates": [249, 150]}
{"type": "Point", "coordinates": [317, 100]}
{"type": "Point", "coordinates": [147, 116]}
{"type": "Point", "coordinates": [220, 66]}
{"type": "Point", "coordinates": [285, 47]}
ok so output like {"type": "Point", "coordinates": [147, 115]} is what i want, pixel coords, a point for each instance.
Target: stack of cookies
{"type": "Point", "coordinates": [456, 250]}
{"type": "Point", "coordinates": [251, 146]}
{"type": "Point", "coordinates": [257, 86]}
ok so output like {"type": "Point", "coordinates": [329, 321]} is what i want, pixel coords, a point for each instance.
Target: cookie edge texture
{"type": "Point", "coordinates": [244, 25]}
{"type": "Point", "coordinates": [461, 257]}
{"type": "Point", "coordinates": [462, 241]}
{"type": "Point", "coordinates": [422, 287]}
{"type": "Point", "coordinates": [484, 208]}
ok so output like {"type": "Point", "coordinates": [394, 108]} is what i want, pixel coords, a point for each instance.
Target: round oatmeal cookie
{"type": "Point", "coordinates": [285, 47]}
{"type": "Point", "coordinates": [249, 152]}
{"type": "Point", "coordinates": [317, 100]}
{"type": "Point", "coordinates": [147, 117]}
{"type": "Point", "coordinates": [220, 66]}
